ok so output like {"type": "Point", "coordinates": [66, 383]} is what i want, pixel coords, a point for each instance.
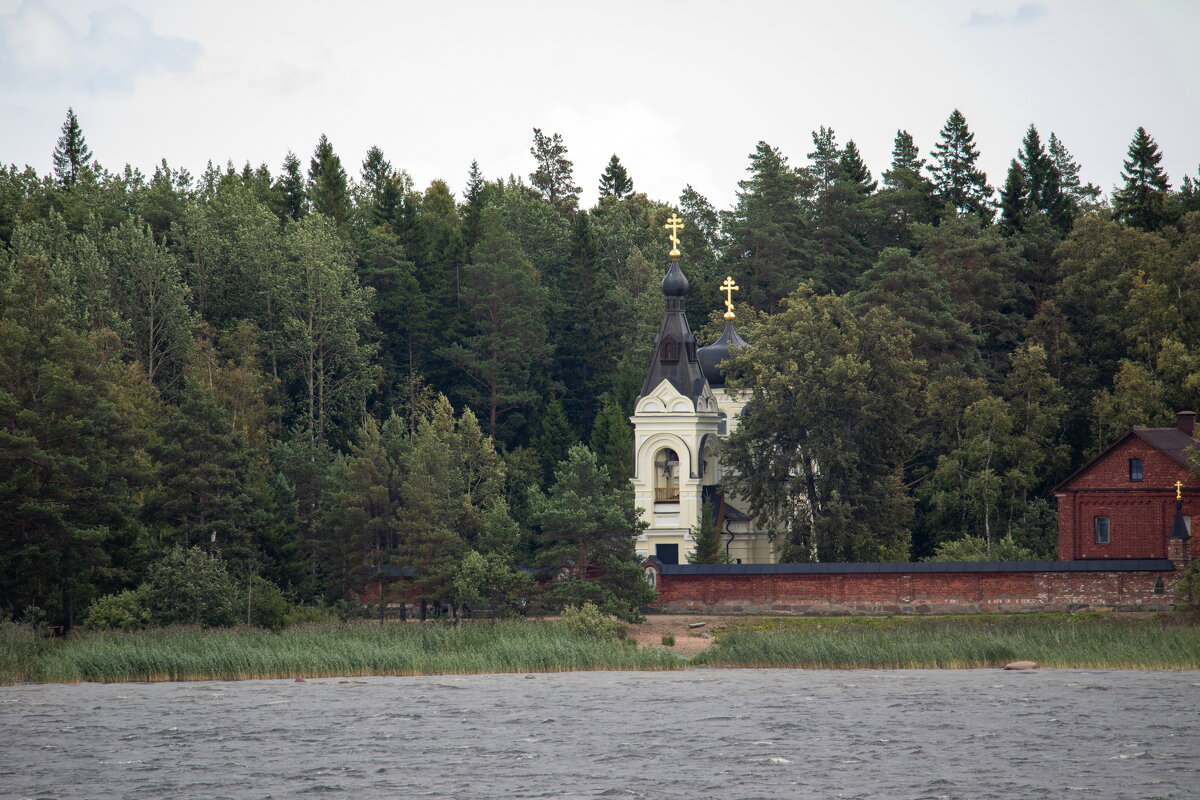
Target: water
{"type": "Point", "coordinates": [698, 734]}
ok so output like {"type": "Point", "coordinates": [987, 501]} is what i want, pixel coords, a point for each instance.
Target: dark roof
{"type": "Point", "coordinates": [675, 347]}
{"type": "Point", "coordinates": [735, 514]}
{"type": "Point", "coordinates": [900, 567]}
{"type": "Point", "coordinates": [1171, 442]}
{"type": "Point", "coordinates": [712, 355]}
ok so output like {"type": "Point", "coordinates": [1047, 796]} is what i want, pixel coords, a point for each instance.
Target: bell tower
{"type": "Point", "coordinates": [675, 420]}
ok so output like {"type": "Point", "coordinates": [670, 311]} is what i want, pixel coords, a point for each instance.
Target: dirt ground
{"type": "Point", "coordinates": [688, 640]}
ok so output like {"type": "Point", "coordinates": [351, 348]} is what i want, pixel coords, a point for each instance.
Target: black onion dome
{"type": "Point", "coordinates": [674, 283]}
{"type": "Point", "coordinates": [711, 356]}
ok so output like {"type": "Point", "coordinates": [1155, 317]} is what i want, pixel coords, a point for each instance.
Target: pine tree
{"type": "Point", "coordinates": [707, 549]}
{"type": "Point", "coordinates": [907, 197]}
{"type": "Point", "coordinates": [959, 182]}
{"type": "Point", "coordinates": [473, 205]}
{"type": "Point", "coordinates": [554, 438]}
{"type": "Point", "coordinates": [554, 171]}
{"type": "Point", "coordinates": [1043, 182]}
{"type": "Point", "coordinates": [328, 185]}
{"type": "Point", "coordinates": [1142, 202]}
{"type": "Point", "coordinates": [615, 182]}
{"type": "Point", "coordinates": [290, 189]}
{"type": "Point", "coordinates": [825, 158]}
{"type": "Point", "coordinates": [71, 155]}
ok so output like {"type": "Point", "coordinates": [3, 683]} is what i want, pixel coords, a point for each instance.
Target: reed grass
{"type": "Point", "coordinates": [1086, 642]}
{"type": "Point", "coordinates": [325, 651]}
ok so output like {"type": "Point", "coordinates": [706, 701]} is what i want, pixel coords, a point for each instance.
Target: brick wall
{"type": "Point", "coordinates": [914, 592]}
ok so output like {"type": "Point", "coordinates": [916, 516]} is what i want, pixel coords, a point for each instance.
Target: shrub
{"type": "Point", "coordinates": [589, 621]}
{"type": "Point", "coordinates": [268, 607]}
{"type": "Point", "coordinates": [668, 640]}
{"type": "Point", "coordinates": [1187, 592]}
{"type": "Point", "coordinates": [190, 587]}
{"type": "Point", "coordinates": [121, 612]}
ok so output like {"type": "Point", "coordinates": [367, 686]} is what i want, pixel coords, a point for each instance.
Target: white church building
{"type": "Point", "coordinates": [682, 412]}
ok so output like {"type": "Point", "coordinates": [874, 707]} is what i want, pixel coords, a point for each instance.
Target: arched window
{"type": "Point", "coordinates": [666, 476]}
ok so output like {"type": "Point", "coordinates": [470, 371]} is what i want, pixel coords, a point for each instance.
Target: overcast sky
{"type": "Point", "coordinates": [681, 91]}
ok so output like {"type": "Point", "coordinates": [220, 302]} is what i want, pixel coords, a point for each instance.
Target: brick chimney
{"type": "Point", "coordinates": [1186, 421]}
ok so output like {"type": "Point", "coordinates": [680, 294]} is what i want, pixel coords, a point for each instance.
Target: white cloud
{"type": "Point", "coordinates": [40, 49]}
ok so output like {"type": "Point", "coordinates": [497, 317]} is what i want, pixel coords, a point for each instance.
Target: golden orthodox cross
{"type": "Point", "coordinates": [1178, 490]}
{"type": "Point", "coordinates": [674, 225]}
{"type": "Point", "coordinates": [729, 287]}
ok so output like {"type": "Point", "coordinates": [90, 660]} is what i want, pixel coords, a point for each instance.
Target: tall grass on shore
{"type": "Point", "coordinates": [1087, 642]}
{"type": "Point", "coordinates": [180, 654]}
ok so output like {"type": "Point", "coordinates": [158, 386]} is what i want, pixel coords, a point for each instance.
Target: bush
{"type": "Point", "coordinates": [268, 607]}
{"type": "Point", "coordinates": [117, 612]}
{"type": "Point", "coordinates": [190, 587]}
{"type": "Point", "coordinates": [668, 640]}
{"type": "Point", "coordinates": [1187, 592]}
{"type": "Point", "coordinates": [589, 621]}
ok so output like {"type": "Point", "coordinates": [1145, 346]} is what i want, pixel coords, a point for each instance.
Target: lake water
{"type": "Point", "coordinates": [739, 734]}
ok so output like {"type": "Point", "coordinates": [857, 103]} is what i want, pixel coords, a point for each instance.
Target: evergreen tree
{"type": "Point", "coordinates": [71, 455]}
{"type": "Point", "coordinates": [960, 183]}
{"type": "Point", "coordinates": [825, 159]}
{"type": "Point", "coordinates": [473, 205]}
{"type": "Point", "coordinates": [765, 232]}
{"type": "Point", "coordinates": [293, 198]}
{"type": "Point", "coordinates": [201, 498]}
{"type": "Point", "coordinates": [328, 186]}
{"type": "Point", "coordinates": [586, 532]}
{"type": "Point", "coordinates": [383, 188]}
{"type": "Point", "coordinates": [1076, 192]}
{"type": "Point", "coordinates": [502, 297]}
{"type": "Point", "coordinates": [1142, 201]}
{"type": "Point", "coordinates": [615, 182]}
{"type": "Point", "coordinates": [553, 175]}
{"type": "Point", "coordinates": [554, 438]}
{"type": "Point", "coordinates": [854, 171]}
{"type": "Point", "coordinates": [905, 159]}
{"type": "Point", "coordinates": [707, 549]}
{"type": "Point", "coordinates": [1014, 204]}
{"type": "Point", "coordinates": [71, 155]}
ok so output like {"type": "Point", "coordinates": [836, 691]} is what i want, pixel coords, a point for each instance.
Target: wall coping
{"type": "Point", "coordinates": [907, 567]}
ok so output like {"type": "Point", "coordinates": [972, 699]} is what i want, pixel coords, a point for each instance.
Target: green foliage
{"type": "Point", "coordinates": [976, 548]}
{"type": "Point", "coordinates": [123, 611]}
{"type": "Point", "coordinates": [1142, 201]}
{"type": "Point", "coordinates": [1187, 591]}
{"type": "Point", "coordinates": [553, 175]}
{"type": "Point", "coordinates": [488, 582]}
{"type": "Point", "coordinates": [587, 620]}
{"type": "Point", "coordinates": [960, 183]}
{"type": "Point", "coordinates": [615, 182]}
{"type": "Point", "coordinates": [668, 640]}
{"type": "Point", "coordinates": [586, 532]}
{"type": "Point", "coordinates": [71, 155]}
{"type": "Point", "coordinates": [707, 548]}
{"type": "Point", "coordinates": [190, 587]}
{"type": "Point", "coordinates": [838, 389]}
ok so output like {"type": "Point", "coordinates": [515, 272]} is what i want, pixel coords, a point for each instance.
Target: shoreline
{"type": "Point", "coordinates": [364, 649]}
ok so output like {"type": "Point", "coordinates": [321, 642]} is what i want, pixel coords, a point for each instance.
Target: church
{"type": "Point", "coordinates": [682, 412]}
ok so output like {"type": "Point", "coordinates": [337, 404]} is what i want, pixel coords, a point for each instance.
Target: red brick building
{"type": "Point", "coordinates": [1122, 503]}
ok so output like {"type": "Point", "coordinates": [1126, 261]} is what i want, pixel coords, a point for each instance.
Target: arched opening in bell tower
{"type": "Point", "coordinates": [666, 476]}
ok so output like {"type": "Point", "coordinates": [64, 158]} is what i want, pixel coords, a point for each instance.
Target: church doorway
{"type": "Point", "coordinates": [667, 553]}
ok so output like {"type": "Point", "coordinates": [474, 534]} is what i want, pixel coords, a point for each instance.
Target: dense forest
{"type": "Point", "coordinates": [308, 380]}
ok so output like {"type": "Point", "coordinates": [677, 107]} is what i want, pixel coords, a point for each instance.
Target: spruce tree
{"type": "Point", "coordinates": [1014, 205]}
{"type": "Point", "coordinates": [1068, 172]}
{"type": "Point", "coordinates": [905, 159]}
{"type": "Point", "coordinates": [383, 188]}
{"type": "Point", "coordinates": [615, 182]}
{"type": "Point", "coordinates": [328, 186]}
{"type": "Point", "coordinates": [1142, 201]}
{"type": "Point", "coordinates": [553, 175]}
{"type": "Point", "coordinates": [826, 158]}
{"type": "Point", "coordinates": [959, 181]}
{"type": "Point", "coordinates": [290, 189]}
{"type": "Point", "coordinates": [854, 171]}
{"type": "Point", "coordinates": [71, 155]}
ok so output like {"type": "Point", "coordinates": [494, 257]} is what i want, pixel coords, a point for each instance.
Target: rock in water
{"type": "Point", "coordinates": [1021, 665]}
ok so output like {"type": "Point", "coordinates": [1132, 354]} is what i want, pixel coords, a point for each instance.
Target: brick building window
{"type": "Point", "coordinates": [1135, 469]}
{"type": "Point", "coordinates": [1103, 530]}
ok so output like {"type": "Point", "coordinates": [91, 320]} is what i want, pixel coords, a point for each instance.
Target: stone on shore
{"type": "Point", "coordinates": [1021, 665]}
